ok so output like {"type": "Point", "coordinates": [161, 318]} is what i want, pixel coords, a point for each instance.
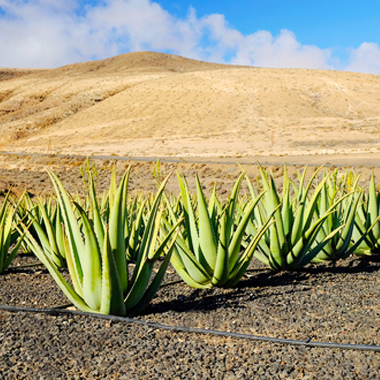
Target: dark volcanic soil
{"type": "Point", "coordinates": [323, 303]}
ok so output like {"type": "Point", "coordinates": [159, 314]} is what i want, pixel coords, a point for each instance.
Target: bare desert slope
{"type": "Point", "coordinates": [151, 104]}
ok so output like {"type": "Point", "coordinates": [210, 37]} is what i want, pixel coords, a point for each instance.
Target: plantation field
{"type": "Point", "coordinates": [322, 302]}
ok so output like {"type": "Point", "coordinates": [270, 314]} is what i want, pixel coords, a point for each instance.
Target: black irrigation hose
{"type": "Point", "coordinates": [303, 343]}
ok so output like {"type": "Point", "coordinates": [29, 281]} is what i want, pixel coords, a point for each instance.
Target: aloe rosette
{"type": "Point", "coordinates": [340, 246]}
{"type": "Point", "coordinates": [45, 225]}
{"type": "Point", "coordinates": [290, 242]}
{"type": "Point", "coordinates": [367, 223]}
{"type": "Point", "coordinates": [10, 239]}
{"type": "Point", "coordinates": [96, 255]}
{"type": "Point", "coordinates": [208, 250]}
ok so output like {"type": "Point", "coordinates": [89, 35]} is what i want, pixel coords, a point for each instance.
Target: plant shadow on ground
{"type": "Point", "coordinates": [212, 299]}
{"type": "Point", "coordinates": [252, 283]}
{"type": "Point", "coordinates": [358, 264]}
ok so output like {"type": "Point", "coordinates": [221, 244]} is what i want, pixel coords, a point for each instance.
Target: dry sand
{"type": "Point", "coordinates": [158, 105]}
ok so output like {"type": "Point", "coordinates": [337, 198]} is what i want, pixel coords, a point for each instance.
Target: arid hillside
{"type": "Point", "coordinates": [151, 104]}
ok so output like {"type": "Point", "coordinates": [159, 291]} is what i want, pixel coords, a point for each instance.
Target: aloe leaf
{"type": "Point", "coordinates": [160, 250]}
{"type": "Point", "coordinates": [235, 244]}
{"type": "Point", "coordinates": [232, 207]}
{"type": "Point", "coordinates": [59, 233]}
{"type": "Point", "coordinates": [147, 241]}
{"type": "Point", "coordinates": [48, 246]}
{"type": "Point", "coordinates": [310, 254]}
{"type": "Point", "coordinates": [262, 256]}
{"type": "Point", "coordinates": [222, 263]}
{"type": "Point", "coordinates": [277, 237]}
{"type": "Point", "coordinates": [112, 297]}
{"type": "Point", "coordinates": [116, 231]}
{"type": "Point", "coordinates": [51, 234]}
{"type": "Point", "coordinates": [3, 246]}
{"type": "Point", "coordinates": [190, 279]}
{"type": "Point", "coordinates": [135, 233]}
{"type": "Point", "coordinates": [357, 244]}
{"type": "Point", "coordinates": [366, 245]}
{"type": "Point", "coordinates": [185, 263]}
{"type": "Point", "coordinates": [373, 208]}
{"type": "Point", "coordinates": [304, 216]}
{"type": "Point", "coordinates": [212, 204]}
{"type": "Point", "coordinates": [190, 223]}
{"type": "Point", "coordinates": [264, 178]}
{"type": "Point", "coordinates": [301, 178]}
{"type": "Point", "coordinates": [244, 260]}
{"type": "Point", "coordinates": [12, 254]}
{"type": "Point", "coordinates": [274, 203]}
{"type": "Point", "coordinates": [69, 292]}
{"type": "Point", "coordinates": [154, 285]}
{"type": "Point", "coordinates": [189, 264]}
{"type": "Point", "coordinates": [91, 258]}
{"type": "Point", "coordinates": [276, 252]}
{"type": "Point", "coordinates": [172, 215]}
{"type": "Point", "coordinates": [346, 234]}
{"type": "Point", "coordinates": [299, 251]}
{"type": "Point", "coordinates": [207, 239]}
{"type": "Point", "coordinates": [72, 265]}
{"type": "Point", "coordinates": [97, 220]}
{"type": "Point", "coordinates": [138, 287]}
{"type": "Point", "coordinates": [71, 225]}
{"type": "Point", "coordinates": [152, 252]}
{"type": "Point", "coordinates": [286, 210]}
{"type": "Point", "coordinates": [112, 193]}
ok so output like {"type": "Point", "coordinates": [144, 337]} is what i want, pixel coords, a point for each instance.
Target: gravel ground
{"type": "Point", "coordinates": [324, 303]}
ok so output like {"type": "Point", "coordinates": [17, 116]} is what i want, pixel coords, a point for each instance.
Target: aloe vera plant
{"type": "Point", "coordinates": [340, 245]}
{"type": "Point", "coordinates": [45, 225]}
{"type": "Point", "coordinates": [208, 250]}
{"type": "Point", "coordinates": [96, 255]}
{"type": "Point", "coordinates": [9, 236]}
{"type": "Point", "coordinates": [135, 214]}
{"type": "Point", "coordinates": [290, 242]}
{"type": "Point", "coordinates": [367, 216]}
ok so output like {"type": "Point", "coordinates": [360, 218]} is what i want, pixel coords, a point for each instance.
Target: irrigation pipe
{"type": "Point", "coordinates": [303, 343]}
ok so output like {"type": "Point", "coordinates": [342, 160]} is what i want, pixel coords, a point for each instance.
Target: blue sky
{"type": "Point", "coordinates": [323, 23]}
{"type": "Point", "coordinates": [335, 34]}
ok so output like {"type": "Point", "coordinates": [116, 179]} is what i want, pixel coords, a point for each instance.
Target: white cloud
{"type": "Point", "coordinates": [365, 59]}
{"type": "Point", "coordinates": [264, 50]}
{"type": "Point", "coordinates": [50, 33]}
{"type": "Point", "coordinates": [143, 25]}
{"type": "Point", "coordinates": [282, 51]}
{"type": "Point", "coordinates": [37, 33]}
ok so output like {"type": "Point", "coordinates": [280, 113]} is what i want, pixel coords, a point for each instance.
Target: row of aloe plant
{"type": "Point", "coordinates": [324, 225]}
{"type": "Point", "coordinates": [117, 248]}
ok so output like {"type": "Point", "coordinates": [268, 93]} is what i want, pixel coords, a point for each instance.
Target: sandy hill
{"type": "Point", "coordinates": [151, 104]}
